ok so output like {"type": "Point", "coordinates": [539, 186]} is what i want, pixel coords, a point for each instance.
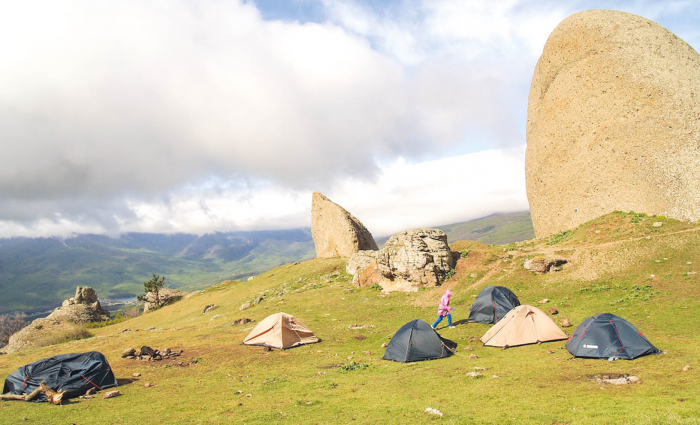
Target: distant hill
{"type": "Point", "coordinates": [38, 273]}
{"type": "Point", "coordinates": [495, 229]}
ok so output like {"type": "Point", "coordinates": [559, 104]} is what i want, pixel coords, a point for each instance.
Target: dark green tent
{"type": "Point", "coordinates": [492, 304]}
{"type": "Point", "coordinates": [606, 336]}
{"type": "Point", "coordinates": [416, 341]}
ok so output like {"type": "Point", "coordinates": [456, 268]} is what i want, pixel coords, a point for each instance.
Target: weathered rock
{"type": "Point", "coordinates": [209, 307]}
{"type": "Point", "coordinates": [244, 306]}
{"type": "Point", "coordinates": [410, 260]}
{"type": "Point", "coordinates": [83, 308]}
{"type": "Point", "coordinates": [336, 232]}
{"type": "Point", "coordinates": [565, 323]}
{"type": "Point", "coordinates": [542, 264]}
{"type": "Point", "coordinates": [543, 301]}
{"type": "Point", "coordinates": [657, 224]}
{"type": "Point", "coordinates": [553, 311]}
{"type": "Point", "coordinates": [612, 123]}
{"type": "Point", "coordinates": [686, 368]}
{"type": "Point", "coordinates": [111, 394]}
{"type": "Point", "coordinates": [475, 374]}
{"type": "Point", "coordinates": [39, 333]}
{"type": "Point", "coordinates": [167, 296]}
{"type": "Point", "coordinates": [242, 321]}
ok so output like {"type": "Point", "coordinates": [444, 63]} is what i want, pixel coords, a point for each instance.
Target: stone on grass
{"type": "Point", "coordinates": [686, 368]}
{"type": "Point", "coordinates": [543, 264]}
{"type": "Point", "coordinates": [657, 224]}
{"type": "Point", "coordinates": [474, 375]}
{"type": "Point", "coordinates": [128, 352]}
{"type": "Point", "coordinates": [431, 411]}
{"type": "Point", "coordinates": [111, 394]}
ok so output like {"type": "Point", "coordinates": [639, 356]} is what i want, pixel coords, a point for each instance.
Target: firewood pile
{"type": "Point", "coordinates": [147, 353]}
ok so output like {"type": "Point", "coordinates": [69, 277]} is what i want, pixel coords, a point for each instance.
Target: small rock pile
{"type": "Point", "coordinates": [617, 379]}
{"type": "Point", "coordinates": [149, 354]}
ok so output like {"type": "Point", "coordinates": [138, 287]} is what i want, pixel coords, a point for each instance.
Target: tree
{"type": "Point", "coordinates": [11, 324]}
{"type": "Point", "coordinates": [154, 285]}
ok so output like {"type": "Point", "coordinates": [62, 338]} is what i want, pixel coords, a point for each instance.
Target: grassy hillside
{"type": "Point", "coordinates": [611, 263]}
{"type": "Point", "coordinates": [36, 274]}
{"type": "Point", "coordinates": [495, 229]}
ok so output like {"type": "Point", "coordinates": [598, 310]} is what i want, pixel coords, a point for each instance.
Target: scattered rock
{"type": "Point", "coordinates": [473, 356]}
{"type": "Point", "coordinates": [496, 377]}
{"type": "Point", "coordinates": [565, 323]}
{"type": "Point", "coordinates": [111, 394]}
{"type": "Point", "coordinates": [550, 352]}
{"type": "Point", "coordinates": [431, 411]}
{"type": "Point", "coordinates": [216, 316]}
{"type": "Point", "coordinates": [553, 311]}
{"type": "Point", "coordinates": [136, 375]}
{"type": "Point", "coordinates": [472, 339]}
{"type": "Point", "coordinates": [410, 260]}
{"type": "Point", "coordinates": [148, 385]}
{"type": "Point", "coordinates": [542, 264]}
{"type": "Point", "coordinates": [469, 349]}
{"type": "Point", "coordinates": [82, 308]}
{"type": "Point", "coordinates": [384, 345]}
{"type": "Point", "coordinates": [128, 352]}
{"type": "Point", "coordinates": [244, 306]}
{"type": "Point", "coordinates": [242, 321]}
{"type": "Point", "coordinates": [167, 296]}
{"type": "Point", "coordinates": [692, 273]}
{"type": "Point", "coordinates": [125, 331]}
{"type": "Point", "coordinates": [657, 224]}
{"type": "Point", "coordinates": [474, 375]}
{"type": "Point", "coordinates": [479, 368]}
{"type": "Point", "coordinates": [209, 307]}
{"type": "Point", "coordinates": [249, 395]}
{"type": "Point", "coordinates": [686, 368]}
{"type": "Point", "coordinates": [336, 232]}
{"type": "Point", "coordinates": [617, 379]}
{"type": "Point", "coordinates": [251, 278]}
{"type": "Point", "coordinates": [544, 301]}
{"type": "Point", "coordinates": [258, 300]}
{"type": "Point", "coordinates": [606, 81]}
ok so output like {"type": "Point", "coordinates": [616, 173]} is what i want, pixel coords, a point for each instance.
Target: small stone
{"type": "Point", "coordinates": [148, 385]}
{"type": "Point", "coordinates": [479, 368]}
{"type": "Point", "coordinates": [111, 394]}
{"type": "Point", "coordinates": [496, 377]}
{"type": "Point", "coordinates": [244, 306]}
{"type": "Point", "coordinates": [472, 339]}
{"type": "Point", "coordinates": [309, 402]}
{"type": "Point", "coordinates": [657, 224]}
{"type": "Point", "coordinates": [634, 380]}
{"type": "Point", "coordinates": [384, 345]}
{"type": "Point", "coordinates": [136, 375]}
{"type": "Point", "coordinates": [130, 357]}
{"type": "Point", "coordinates": [686, 368]}
{"type": "Point", "coordinates": [431, 411]}
{"type": "Point", "coordinates": [209, 308]}
{"type": "Point", "coordinates": [249, 395]}
{"type": "Point", "coordinates": [473, 356]}
{"type": "Point", "coordinates": [216, 316]}
{"type": "Point", "coordinates": [652, 276]}
{"type": "Point", "coordinates": [691, 273]}
{"type": "Point", "coordinates": [469, 349]}
{"type": "Point", "coordinates": [565, 323]}
{"type": "Point", "coordinates": [239, 392]}
{"type": "Point", "coordinates": [553, 311]}
{"type": "Point", "coordinates": [128, 352]}
{"type": "Point", "coordinates": [544, 301]}
{"type": "Point", "coordinates": [251, 278]}
{"type": "Point", "coordinates": [474, 375]}
{"type": "Point", "coordinates": [550, 352]}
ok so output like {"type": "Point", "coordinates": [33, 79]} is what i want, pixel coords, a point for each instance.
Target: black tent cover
{"type": "Point", "coordinates": [74, 373]}
{"type": "Point", "coordinates": [492, 303]}
{"type": "Point", "coordinates": [417, 341]}
{"type": "Point", "coordinates": [606, 336]}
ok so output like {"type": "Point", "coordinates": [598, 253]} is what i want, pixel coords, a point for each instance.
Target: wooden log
{"type": "Point", "coordinates": [11, 397]}
{"type": "Point", "coordinates": [32, 395]}
{"type": "Point", "coordinates": [53, 396]}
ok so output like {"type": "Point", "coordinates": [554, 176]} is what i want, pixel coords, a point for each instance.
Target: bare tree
{"type": "Point", "coordinates": [9, 325]}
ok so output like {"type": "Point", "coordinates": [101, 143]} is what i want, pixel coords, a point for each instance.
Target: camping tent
{"type": "Point", "coordinates": [523, 325]}
{"type": "Point", "coordinates": [415, 341]}
{"type": "Point", "coordinates": [74, 373]}
{"type": "Point", "coordinates": [280, 330]}
{"type": "Point", "coordinates": [606, 336]}
{"type": "Point", "coordinates": [492, 304]}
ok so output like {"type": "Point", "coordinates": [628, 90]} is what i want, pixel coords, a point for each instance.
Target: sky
{"type": "Point", "coordinates": [222, 115]}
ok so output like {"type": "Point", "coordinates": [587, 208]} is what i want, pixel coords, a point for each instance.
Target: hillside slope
{"type": "Point", "coordinates": [611, 263]}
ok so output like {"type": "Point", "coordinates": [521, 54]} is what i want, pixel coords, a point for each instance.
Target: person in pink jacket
{"type": "Point", "coordinates": [444, 310]}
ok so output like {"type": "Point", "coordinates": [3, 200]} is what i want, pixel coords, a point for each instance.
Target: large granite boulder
{"type": "Point", "coordinates": [410, 260]}
{"type": "Point", "coordinates": [613, 123]}
{"type": "Point", "coordinates": [336, 232]}
{"type": "Point", "coordinates": [84, 307]}
{"type": "Point", "coordinates": [167, 296]}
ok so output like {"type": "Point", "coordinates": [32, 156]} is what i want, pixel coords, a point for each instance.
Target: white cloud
{"type": "Point", "coordinates": [405, 196]}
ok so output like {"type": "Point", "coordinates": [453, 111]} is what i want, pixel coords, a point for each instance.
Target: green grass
{"type": "Point", "coordinates": [343, 379]}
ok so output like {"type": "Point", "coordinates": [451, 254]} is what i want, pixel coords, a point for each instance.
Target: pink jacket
{"type": "Point", "coordinates": [444, 307]}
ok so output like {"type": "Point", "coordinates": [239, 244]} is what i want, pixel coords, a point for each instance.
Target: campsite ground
{"type": "Point", "coordinates": [343, 378]}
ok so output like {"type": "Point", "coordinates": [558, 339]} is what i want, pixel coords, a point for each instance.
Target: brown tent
{"type": "Point", "coordinates": [523, 325]}
{"type": "Point", "coordinates": [280, 330]}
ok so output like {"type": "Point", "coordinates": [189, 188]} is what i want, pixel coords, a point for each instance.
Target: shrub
{"type": "Point", "coordinates": [463, 253]}
{"type": "Point", "coordinates": [353, 365]}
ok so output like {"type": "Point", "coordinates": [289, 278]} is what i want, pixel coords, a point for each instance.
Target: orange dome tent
{"type": "Point", "coordinates": [523, 325]}
{"type": "Point", "coordinates": [282, 331]}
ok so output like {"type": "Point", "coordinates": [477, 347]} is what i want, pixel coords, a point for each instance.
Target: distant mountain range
{"type": "Point", "coordinates": [37, 274]}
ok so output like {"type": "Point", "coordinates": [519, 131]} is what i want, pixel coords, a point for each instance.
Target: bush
{"type": "Point", "coordinates": [353, 365]}
{"type": "Point", "coordinates": [11, 324]}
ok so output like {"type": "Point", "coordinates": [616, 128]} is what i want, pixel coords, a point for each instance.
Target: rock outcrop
{"type": "Point", "coordinates": [336, 232]}
{"type": "Point", "coordinates": [39, 333]}
{"type": "Point", "coordinates": [410, 260]}
{"type": "Point", "coordinates": [613, 123]}
{"type": "Point", "coordinates": [544, 264]}
{"type": "Point", "coordinates": [83, 308]}
{"type": "Point", "coordinates": [167, 296]}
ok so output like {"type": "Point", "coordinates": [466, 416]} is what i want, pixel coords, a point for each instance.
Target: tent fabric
{"type": "Point", "coordinates": [74, 373]}
{"type": "Point", "coordinates": [523, 325]}
{"type": "Point", "coordinates": [282, 331]}
{"type": "Point", "coordinates": [492, 304]}
{"type": "Point", "coordinates": [607, 336]}
{"type": "Point", "coordinates": [416, 341]}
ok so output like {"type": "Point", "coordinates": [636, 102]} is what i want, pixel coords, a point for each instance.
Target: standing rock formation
{"type": "Point", "coordinates": [410, 260]}
{"type": "Point", "coordinates": [613, 123]}
{"type": "Point", "coordinates": [336, 232]}
{"type": "Point", "coordinates": [82, 308]}
{"type": "Point", "coordinates": [167, 296]}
